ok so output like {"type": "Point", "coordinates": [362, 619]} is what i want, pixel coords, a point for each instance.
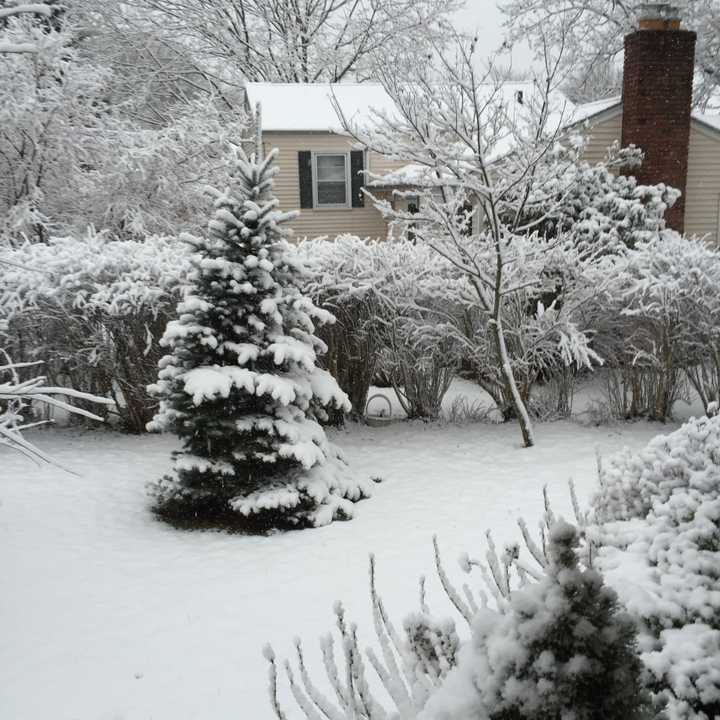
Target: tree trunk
{"type": "Point", "coordinates": [512, 390]}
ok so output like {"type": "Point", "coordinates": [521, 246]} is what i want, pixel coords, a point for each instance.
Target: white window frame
{"type": "Point", "coordinates": [348, 184]}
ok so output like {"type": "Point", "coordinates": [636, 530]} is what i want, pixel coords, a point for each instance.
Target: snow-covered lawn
{"type": "Point", "coordinates": [107, 614]}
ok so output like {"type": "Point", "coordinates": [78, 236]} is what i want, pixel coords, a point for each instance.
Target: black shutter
{"type": "Point", "coordinates": [305, 178]}
{"type": "Point", "coordinates": [357, 178]}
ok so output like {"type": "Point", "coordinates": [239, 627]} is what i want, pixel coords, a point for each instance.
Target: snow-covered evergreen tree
{"type": "Point", "coordinates": [563, 649]}
{"type": "Point", "coordinates": [241, 387]}
{"type": "Point", "coordinates": [556, 647]}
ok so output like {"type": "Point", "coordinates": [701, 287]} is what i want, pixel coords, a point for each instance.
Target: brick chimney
{"type": "Point", "coordinates": [657, 98]}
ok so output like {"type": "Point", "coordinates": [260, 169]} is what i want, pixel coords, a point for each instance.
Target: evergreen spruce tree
{"type": "Point", "coordinates": [240, 385]}
{"type": "Point", "coordinates": [563, 650]}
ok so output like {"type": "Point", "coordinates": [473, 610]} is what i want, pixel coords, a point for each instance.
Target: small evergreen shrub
{"type": "Point", "coordinates": [561, 648]}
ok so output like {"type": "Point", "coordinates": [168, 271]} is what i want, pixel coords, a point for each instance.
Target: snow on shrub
{"type": "Point", "coordinates": [659, 322]}
{"type": "Point", "coordinates": [398, 307]}
{"type": "Point", "coordinates": [559, 647]}
{"type": "Point", "coordinates": [685, 461]}
{"type": "Point", "coordinates": [95, 273]}
{"type": "Point", "coordinates": [660, 538]}
{"type": "Point", "coordinates": [240, 385]}
{"type": "Point", "coordinates": [93, 309]}
{"type": "Point", "coordinates": [597, 205]}
{"type": "Point", "coordinates": [406, 309]}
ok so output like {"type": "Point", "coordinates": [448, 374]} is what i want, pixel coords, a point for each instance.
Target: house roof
{"type": "Point", "coordinates": [710, 120]}
{"type": "Point", "coordinates": [585, 111]}
{"type": "Point", "coordinates": [595, 110]}
{"type": "Point", "coordinates": [308, 107]}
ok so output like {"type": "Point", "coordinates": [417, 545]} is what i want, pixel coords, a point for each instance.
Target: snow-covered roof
{"type": "Point", "coordinates": [411, 175]}
{"type": "Point", "coordinates": [585, 111]}
{"type": "Point", "coordinates": [588, 111]}
{"type": "Point", "coordinates": [309, 107]}
{"type": "Point", "coordinates": [710, 119]}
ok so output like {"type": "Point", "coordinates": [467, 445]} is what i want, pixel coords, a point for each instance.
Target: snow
{"type": "Point", "coordinates": [711, 119]}
{"type": "Point", "coordinates": [294, 106]}
{"type": "Point", "coordinates": [410, 175]}
{"type": "Point", "coordinates": [586, 111]}
{"type": "Point", "coordinates": [8, 47]}
{"type": "Point", "coordinates": [108, 614]}
{"type": "Point", "coordinates": [313, 109]}
{"type": "Point", "coordinates": [35, 8]}
{"type": "Point", "coordinates": [589, 111]}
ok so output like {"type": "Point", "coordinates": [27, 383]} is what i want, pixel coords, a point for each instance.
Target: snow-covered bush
{"type": "Point", "coordinates": [547, 337]}
{"type": "Point", "coordinates": [559, 647]}
{"type": "Point", "coordinates": [659, 515]}
{"type": "Point", "coordinates": [407, 311]}
{"type": "Point", "coordinates": [93, 309]}
{"type": "Point", "coordinates": [659, 322]}
{"type": "Point", "coordinates": [600, 204]}
{"type": "Point", "coordinates": [420, 356]}
{"type": "Point", "coordinates": [399, 307]}
{"type": "Point", "coordinates": [341, 276]}
{"type": "Point", "coordinates": [240, 385]}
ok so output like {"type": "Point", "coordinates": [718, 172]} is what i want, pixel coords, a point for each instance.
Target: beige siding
{"type": "Point", "coordinates": [702, 213]}
{"type": "Point", "coordinates": [702, 203]}
{"type": "Point", "coordinates": [365, 221]}
{"type": "Point", "coordinates": [602, 135]}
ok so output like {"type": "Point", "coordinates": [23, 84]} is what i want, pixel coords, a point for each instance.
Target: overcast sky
{"type": "Point", "coordinates": [485, 18]}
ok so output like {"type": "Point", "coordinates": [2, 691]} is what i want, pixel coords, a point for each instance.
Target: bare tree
{"type": "Point", "coordinates": [301, 40]}
{"type": "Point", "coordinates": [482, 159]}
{"type": "Point", "coordinates": [593, 31]}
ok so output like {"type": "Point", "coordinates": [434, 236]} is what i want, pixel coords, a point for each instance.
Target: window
{"type": "Point", "coordinates": [331, 178]}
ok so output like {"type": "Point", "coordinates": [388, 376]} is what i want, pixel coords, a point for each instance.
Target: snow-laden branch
{"type": "Point", "coordinates": [17, 48]}
{"type": "Point", "coordinates": [26, 9]}
{"type": "Point", "coordinates": [16, 397]}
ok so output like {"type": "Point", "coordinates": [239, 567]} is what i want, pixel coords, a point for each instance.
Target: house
{"type": "Point", "coordinates": [320, 168]}
{"type": "Point", "coordinates": [681, 147]}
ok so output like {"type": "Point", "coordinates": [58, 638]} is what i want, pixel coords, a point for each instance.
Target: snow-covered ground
{"type": "Point", "coordinates": [107, 614]}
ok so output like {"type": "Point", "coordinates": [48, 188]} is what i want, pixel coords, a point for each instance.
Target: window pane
{"type": "Point", "coordinates": [331, 168]}
{"type": "Point", "coordinates": [331, 193]}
